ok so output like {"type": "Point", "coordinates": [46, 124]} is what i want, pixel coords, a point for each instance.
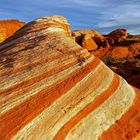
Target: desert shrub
{"type": "Point", "coordinates": [108, 60]}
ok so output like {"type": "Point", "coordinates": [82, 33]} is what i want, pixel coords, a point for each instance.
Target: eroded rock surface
{"type": "Point", "coordinates": [53, 89]}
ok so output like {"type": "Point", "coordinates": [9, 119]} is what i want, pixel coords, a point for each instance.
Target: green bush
{"type": "Point", "coordinates": [108, 60]}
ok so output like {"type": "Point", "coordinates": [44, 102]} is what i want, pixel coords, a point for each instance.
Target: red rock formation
{"type": "Point", "coordinates": [52, 88]}
{"type": "Point", "coordinates": [118, 35]}
{"type": "Point", "coordinates": [89, 43]}
{"type": "Point", "coordinates": [100, 40]}
{"type": "Point", "coordinates": [113, 49]}
{"type": "Point", "coordinates": [123, 51]}
{"type": "Point", "coordinates": [110, 40]}
{"type": "Point", "coordinates": [108, 45]}
{"type": "Point", "coordinates": [8, 28]}
{"type": "Point", "coordinates": [93, 41]}
{"type": "Point", "coordinates": [120, 52]}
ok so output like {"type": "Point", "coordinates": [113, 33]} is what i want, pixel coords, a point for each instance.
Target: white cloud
{"type": "Point", "coordinates": [126, 14]}
{"type": "Point", "coordinates": [83, 3]}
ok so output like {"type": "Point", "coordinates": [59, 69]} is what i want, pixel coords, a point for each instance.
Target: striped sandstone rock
{"type": "Point", "coordinates": [52, 89]}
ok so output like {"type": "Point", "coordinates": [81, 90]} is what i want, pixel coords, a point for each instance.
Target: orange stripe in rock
{"type": "Point", "coordinates": [16, 118]}
{"type": "Point", "coordinates": [129, 124]}
{"type": "Point", "coordinates": [62, 133]}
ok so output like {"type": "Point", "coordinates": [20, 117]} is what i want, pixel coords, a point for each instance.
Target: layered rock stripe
{"type": "Point", "coordinates": [52, 89]}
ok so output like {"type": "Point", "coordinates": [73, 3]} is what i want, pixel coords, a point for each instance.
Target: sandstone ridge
{"type": "Point", "coordinates": [51, 88]}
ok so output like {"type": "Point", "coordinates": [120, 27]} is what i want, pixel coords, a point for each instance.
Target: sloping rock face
{"type": "Point", "coordinates": [8, 28]}
{"type": "Point", "coordinates": [51, 88]}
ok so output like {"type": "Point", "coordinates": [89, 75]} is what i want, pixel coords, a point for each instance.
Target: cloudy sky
{"type": "Point", "coordinates": [102, 15]}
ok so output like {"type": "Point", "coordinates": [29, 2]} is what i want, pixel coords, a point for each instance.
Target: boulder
{"type": "Point", "coordinates": [89, 43]}
{"type": "Point", "coordinates": [92, 34]}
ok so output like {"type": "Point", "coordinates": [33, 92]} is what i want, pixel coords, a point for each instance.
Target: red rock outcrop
{"type": "Point", "coordinates": [100, 40]}
{"type": "Point", "coordinates": [123, 51]}
{"type": "Point", "coordinates": [120, 52]}
{"type": "Point", "coordinates": [117, 35]}
{"type": "Point", "coordinates": [93, 41]}
{"type": "Point", "coordinates": [89, 43]}
{"type": "Point", "coordinates": [52, 88]}
{"type": "Point", "coordinates": [8, 28]}
{"type": "Point", "coordinates": [118, 46]}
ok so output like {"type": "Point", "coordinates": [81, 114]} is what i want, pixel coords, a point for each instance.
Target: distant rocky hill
{"type": "Point", "coordinates": [8, 28]}
{"type": "Point", "coordinates": [119, 50]}
{"type": "Point", "coordinates": [53, 89]}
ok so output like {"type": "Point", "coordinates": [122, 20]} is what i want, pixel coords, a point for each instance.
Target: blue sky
{"type": "Point", "coordinates": [102, 15]}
